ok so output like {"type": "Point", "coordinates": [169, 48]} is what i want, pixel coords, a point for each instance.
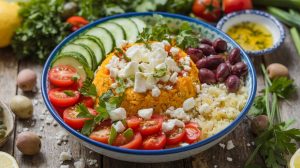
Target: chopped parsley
{"type": "Point", "coordinates": [88, 88]}
{"type": "Point", "coordinates": [69, 93]}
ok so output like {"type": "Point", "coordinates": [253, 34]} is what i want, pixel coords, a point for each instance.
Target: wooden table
{"type": "Point", "coordinates": [214, 157]}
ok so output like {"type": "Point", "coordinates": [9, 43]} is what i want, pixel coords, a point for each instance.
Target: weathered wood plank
{"type": "Point", "coordinates": [8, 75]}
{"type": "Point", "coordinates": [43, 124]}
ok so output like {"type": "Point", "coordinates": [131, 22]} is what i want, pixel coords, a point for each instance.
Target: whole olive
{"type": "Point", "coordinates": [259, 124]}
{"type": "Point", "coordinates": [207, 76]}
{"type": "Point", "coordinates": [207, 49]}
{"type": "Point", "coordinates": [222, 72]}
{"type": "Point", "coordinates": [239, 69]}
{"type": "Point", "coordinates": [277, 70]}
{"type": "Point", "coordinates": [21, 106]}
{"type": "Point", "coordinates": [234, 56]}
{"type": "Point", "coordinates": [206, 41]}
{"type": "Point", "coordinates": [26, 79]}
{"type": "Point", "coordinates": [211, 62]}
{"type": "Point", "coordinates": [233, 83]}
{"type": "Point", "coordinates": [28, 143]}
{"type": "Point", "coordinates": [220, 45]}
{"type": "Point", "coordinates": [195, 54]}
{"type": "Point", "coordinates": [69, 9]}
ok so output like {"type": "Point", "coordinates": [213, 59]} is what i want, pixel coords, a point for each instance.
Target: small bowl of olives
{"type": "Point", "coordinates": [7, 120]}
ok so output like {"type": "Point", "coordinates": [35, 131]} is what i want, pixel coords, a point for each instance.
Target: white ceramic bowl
{"type": "Point", "coordinates": [9, 122]}
{"type": "Point", "coordinates": [256, 16]}
{"type": "Point", "coordinates": [147, 156]}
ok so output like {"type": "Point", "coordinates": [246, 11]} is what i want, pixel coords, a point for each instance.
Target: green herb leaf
{"type": "Point", "coordinates": [112, 136]}
{"type": "Point", "coordinates": [88, 127]}
{"type": "Point", "coordinates": [258, 107]}
{"type": "Point", "coordinates": [122, 87]}
{"type": "Point", "coordinates": [158, 73]}
{"type": "Point", "coordinates": [283, 87]}
{"type": "Point", "coordinates": [83, 111]}
{"type": "Point", "coordinates": [123, 54]}
{"type": "Point", "coordinates": [88, 88]}
{"type": "Point", "coordinates": [69, 93]}
{"type": "Point", "coordinates": [128, 134]}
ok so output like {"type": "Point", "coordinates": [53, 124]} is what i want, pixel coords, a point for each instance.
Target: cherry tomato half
{"type": "Point", "coordinates": [152, 126]}
{"type": "Point", "coordinates": [133, 122]}
{"type": "Point", "coordinates": [135, 143]}
{"type": "Point", "coordinates": [62, 75]}
{"type": "Point", "coordinates": [87, 101]}
{"type": "Point", "coordinates": [101, 134]}
{"type": "Point", "coordinates": [77, 22]}
{"type": "Point", "coordinates": [193, 134]}
{"type": "Point", "coordinates": [175, 136]}
{"type": "Point", "coordinates": [209, 10]}
{"type": "Point", "coordinates": [70, 117]}
{"type": "Point", "coordinates": [236, 5]}
{"type": "Point", "coordinates": [156, 141]}
{"type": "Point", "coordinates": [63, 98]}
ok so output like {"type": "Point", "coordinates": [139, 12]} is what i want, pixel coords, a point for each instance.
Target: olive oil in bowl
{"type": "Point", "coordinates": [251, 36]}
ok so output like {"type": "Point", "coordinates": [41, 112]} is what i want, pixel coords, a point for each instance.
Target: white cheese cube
{"type": "Point", "coordinates": [119, 126]}
{"type": "Point", "coordinates": [113, 72]}
{"type": "Point", "coordinates": [172, 65]}
{"type": "Point", "coordinates": [174, 51]}
{"type": "Point", "coordinates": [130, 69]}
{"type": "Point", "coordinates": [140, 83]}
{"type": "Point", "coordinates": [155, 92]}
{"type": "Point", "coordinates": [173, 77]}
{"type": "Point", "coordinates": [170, 124]}
{"type": "Point", "coordinates": [188, 104]}
{"type": "Point", "coordinates": [146, 113]}
{"type": "Point", "coordinates": [117, 114]}
{"type": "Point", "coordinates": [179, 114]}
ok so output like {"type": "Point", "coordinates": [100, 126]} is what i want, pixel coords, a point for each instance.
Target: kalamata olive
{"type": "Point", "coordinates": [207, 76]}
{"type": "Point", "coordinates": [207, 49]}
{"type": "Point", "coordinates": [206, 41]}
{"type": "Point", "coordinates": [220, 45]}
{"type": "Point", "coordinates": [233, 83]}
{"type": "Point", "coordinates": [259, 124]}
{"type": "Point", "coordinates": [211, 62]}
{"type": "Point", "coordinates": [276, 70]}
{"type": "Point", "coordinates": [239, 69]}
{"type": "Point", "coordinates": [195, 54]}
{"type": "Point", "coordinates": [222, 72]}
{"type": "Point", "coordinates": [234, 56]}
{"type": "Point", "coordinates": [69, 9]}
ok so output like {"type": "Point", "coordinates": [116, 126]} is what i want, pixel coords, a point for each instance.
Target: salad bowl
{"type": "Point", "coordinates": [165, 155]}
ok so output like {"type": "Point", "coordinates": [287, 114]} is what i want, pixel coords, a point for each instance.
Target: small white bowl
{"type": "Point", "coordinates": [9, 120]}
{"type": "Point", "coordinates": [256, 16]}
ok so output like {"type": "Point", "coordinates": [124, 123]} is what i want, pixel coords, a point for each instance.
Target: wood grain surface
{"type": "Point", "coordinates": [44, 125]}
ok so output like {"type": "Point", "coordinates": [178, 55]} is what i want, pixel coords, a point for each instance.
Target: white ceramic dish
{"type": "Point", "coordinates": [263, 18]}
{"type": "Point", "coordinates": [8, 119]}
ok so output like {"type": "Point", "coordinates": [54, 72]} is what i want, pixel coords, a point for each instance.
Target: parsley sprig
{"type": "Point", "coordinates": [88, 88]}
{"type": "Point", "coordinates": [278, 140]}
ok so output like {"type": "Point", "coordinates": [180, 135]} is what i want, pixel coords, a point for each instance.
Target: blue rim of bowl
{"type": "Point", "coordinates": [260, 13]}
{"type": "Point", "coordinates": [225, 131]}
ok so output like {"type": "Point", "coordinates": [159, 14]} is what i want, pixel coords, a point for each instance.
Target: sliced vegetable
{"type": "Point", "coordinates": [175, 136]}
{"type": "Point", "coordinates": [104, 37]}
{"type": "Point", "coordinates": [152, 126]}
{"type": "Point", "coordinates": [59, 98]}
{"type": "Point", "coordinates": [101, 134]}
{"type": "Point", "coordinates": [116, 31]}
{"type": "Point", "coordinates": [193, 134]}
{"type": "Point", "coordinates": [135, 143]}
{"type": "Point", "coordinates": [133, 122]}
{"type": "Point", "coordinates": [62, 75]}
{"type": "Point", "coordinates": [131, 29]}
{"type": "Point", "coordinates": [87, 101]}
{"type": "Point", "coordinates": [155, 142]}
{"type": "Point", "coordinates": [112, 136]}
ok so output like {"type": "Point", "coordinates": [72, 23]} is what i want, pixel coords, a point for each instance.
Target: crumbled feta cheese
{"type": "Point", "coordinates": [119, 126]}
{"type": "Point", "coordinates": [179, 114]}
{"type": "Point", "coordinates": [229, 159]}
{"type": "Point", "coordinates": [135, 52]}
{"type": "Point", "coordinates": [222, 145]}
{"type": "Point", "coordinates": [186, 68]}
{"type": "Point", "coordinates": [145, 113]}
{"type": "Point", "coordinates": [174, 51]}
{"type": "Point", "coordinates": [170, 124]}
{"type": "Point", "coordinates": [189, 104]}
{"type": "Point", "coordinates": [140, 83]}
{"type": "Point", "coordinates": [155, 92]}
{"type": "Point", "coordinates": [184, 74]}
{"type": "Point", "coordinates": [114, 85]}
{"type": "Point", "coordinates": [65, 156]}
{"type": "Point", "coordinates": [198, 89]}
{"type": "Point", "coordinates": [174, 77]}
{"type": "Point", "coordinates": [129, 70]}
{"type": "Point", "coordinates": [113, 72]}
{"type": "Point", "coordinates": [172, 65]}
{"type": "Point", "coordinates": [117, 114]}
{"type": "Point", "coordinates": [204, 108]}
{"type": "Point", "coordinates": [168, 87]}
{"type": "Point", "coordinates": [230, 145]}
{"type": "Point", "coordinates": [79, 164]}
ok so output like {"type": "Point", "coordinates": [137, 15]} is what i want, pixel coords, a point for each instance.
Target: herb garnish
{"type": "Point", "coordinates": [278, 140]}
{"type": "Point", "coordinates": [88, 88]}
{"type": "Point", "coordinates": [69, 93]}
{"type": "Point", "coordinates": [123, 54]}
{"type": "Point", "coordinates": [112, 136]}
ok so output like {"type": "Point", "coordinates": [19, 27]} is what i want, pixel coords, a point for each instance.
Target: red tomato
{"type": "Point", "coordinates": [152, 126]}
{"type": "Point", "coordinates": [60, 111]}
{"type": "Point", "coordinates": [175, 136]}
{"type": "Point", "coordinates": [101, 134]}
{"type": "Point", "coordinates": [62, 75]}
{"type": "Point", "coordinates": [77, 22]}
{"type": "Point", "coordinates": [133, 122]}
{"type": "Point", "coordinates": [75, 86]}
{"type": "Point", "coordinates": [236, 5]}
{"type": "Point", "coordinates": [87, 101]}
{"type": "Point", "coordinates": [156, 141]}
{"type": "Point", "coordinates": [135, 143]}
{"type": "Point", "coordinates": [59, 98]}
{"type": "Point", "coordinates": [70, 117]}
{"type": "Point", "coordinates": [193, 133]}
{"type": "Point", "coordinates": [209, 10]}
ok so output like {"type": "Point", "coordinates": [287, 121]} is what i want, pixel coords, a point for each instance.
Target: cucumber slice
{"type": "Point", "coordinates": [75, 60]}
{"type": "Point", "coordinates": [104, 36]}
{"type": "Point", "coordinates": [139, 23]}
{"type": "Point", "coordinates": [116, 30]}
{"type": "Point", "coordinates": [80, 49]}
{"type": "Point", "coordinates": [130, 28]}
{"type": "Point", "coordinates": [93, 47]}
